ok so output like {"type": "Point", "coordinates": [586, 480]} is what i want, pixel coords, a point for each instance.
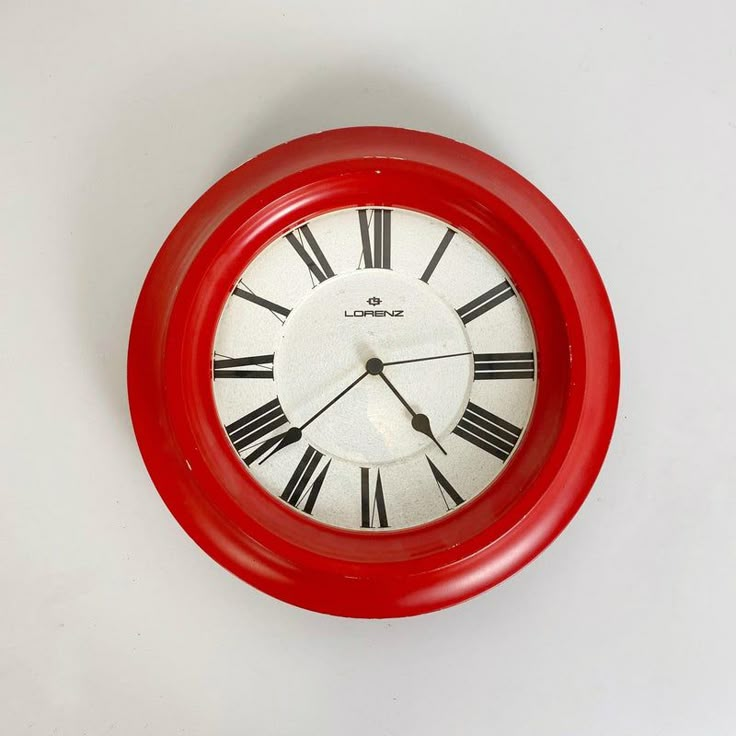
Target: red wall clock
{"type": "Point", "coordinates": [373, 372]}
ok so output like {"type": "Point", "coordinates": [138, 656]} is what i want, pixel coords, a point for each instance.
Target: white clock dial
{"type": "Point", "coordinates": [374, 368]}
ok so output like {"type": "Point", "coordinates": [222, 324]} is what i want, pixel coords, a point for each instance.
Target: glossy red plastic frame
{"type": "Point", "coordinates": [286, 553]}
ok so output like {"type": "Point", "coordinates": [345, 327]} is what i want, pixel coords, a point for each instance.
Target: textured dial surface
{"type": "Point", "coordinates": [374, 368]}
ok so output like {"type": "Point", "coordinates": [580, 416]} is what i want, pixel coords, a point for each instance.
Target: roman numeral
{"type": "Point", "coordinates": [441, 248]}
{"type": "Point", "coordinates": [444, 486]}
{"type": "Point", "coordinates": [223, 367]}
{"type": "Point", "coordinates": [319, 268]}
{"type": "Point", "coordinates": [247, 430]}
{"type": "Point", "coordinates": [487, 431]}
{"type": "Point", "coordinates": [375, 510]}
{"type": "Point", "coordinates": [299, 488]}
{"type": "Point", "coordinates": [494, 366]}
{"type": "Point", "coordinates": [480, 305]}
{"type": "Point", "coordinates": [275, 309]}
{"type": "Point", "coordinates": [376, 252]}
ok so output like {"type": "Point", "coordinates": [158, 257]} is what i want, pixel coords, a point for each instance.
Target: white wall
{"type": "Point", "coordinates": [114, 117]}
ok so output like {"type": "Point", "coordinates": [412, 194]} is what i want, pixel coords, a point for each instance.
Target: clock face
{"type": "Point", "coordinates": [374, 368]}
{"type": "Point", "coordinates": [373, 372]}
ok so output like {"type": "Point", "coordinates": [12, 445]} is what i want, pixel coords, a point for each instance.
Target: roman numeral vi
{"type": "Point", "coordinates": [372, 511]}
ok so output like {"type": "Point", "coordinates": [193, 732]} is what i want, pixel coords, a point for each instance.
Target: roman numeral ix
{"type": "Point", "coordinates": [372, 511]}
{"type": "Point", "coordinates": [494, 366]}
{"type": "Point", "coordinates": [256, 366]}
{"type": "Point", "coordinates": [299, 488]}
{"type": "Point", "coordinates": [480, 305]}
{"type": "Point", "coordinates": [375, 235]}
{"type": "Point", "coordinates": [487, 431]}
{"type": "Point", "coordinates": [303, 241]}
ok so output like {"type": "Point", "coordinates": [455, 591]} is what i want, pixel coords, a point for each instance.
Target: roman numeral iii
{"type": "Point", "coordinates": [303, 242]}
{"type": "Point", "coordinates": [487, 431]}
{"type": "Point", "coordinates": [257, 366]}
{"type": "Point", "coordinates": [303, 486]}
{"type": "Point", "coordinates": [494, 366]}
{"type": "Point", "coordinates": [375, 235]}
{"type": "Point", "coordinates": [372, 510]}
{"type": "Point", "coordinates": [491, 298]}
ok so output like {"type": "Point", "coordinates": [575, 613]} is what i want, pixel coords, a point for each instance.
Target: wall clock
{"type": "Point", "coordinates": [373, 372]}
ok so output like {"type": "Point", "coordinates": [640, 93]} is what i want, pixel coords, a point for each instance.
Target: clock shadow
{"type": "Point", "coordinates": [151, 154]}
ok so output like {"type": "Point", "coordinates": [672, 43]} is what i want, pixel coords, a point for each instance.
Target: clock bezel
{"type": "Point", "coordinates": [285, 552]}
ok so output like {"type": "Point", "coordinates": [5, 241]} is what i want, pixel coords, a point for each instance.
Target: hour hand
{"type": "Point", "coordinates": [420, 422]}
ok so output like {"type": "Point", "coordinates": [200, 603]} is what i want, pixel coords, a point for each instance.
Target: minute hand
{"type": "Point", "coordinates": [432, 357]}
{"type": "Point", "coordinates": [294, 434]}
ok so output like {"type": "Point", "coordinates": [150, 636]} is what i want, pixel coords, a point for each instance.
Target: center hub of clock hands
{"type": "Point", "coordinates": [374, 366]}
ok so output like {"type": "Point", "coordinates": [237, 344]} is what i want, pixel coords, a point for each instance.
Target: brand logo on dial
{"type": "Point", "coordinates": [374, 301]}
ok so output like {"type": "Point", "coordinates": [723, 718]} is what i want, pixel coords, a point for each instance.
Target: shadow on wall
{"type": "Point", "coordinates": [160, 147]}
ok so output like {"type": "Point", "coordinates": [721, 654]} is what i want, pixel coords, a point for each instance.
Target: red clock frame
{"type": "Point", "coordinates": [286, 553]}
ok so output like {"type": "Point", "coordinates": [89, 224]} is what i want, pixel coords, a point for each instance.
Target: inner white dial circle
{"type": "Point", "coordinates": [326, 343]}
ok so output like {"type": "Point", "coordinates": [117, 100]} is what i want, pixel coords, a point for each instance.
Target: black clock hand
{"type": "Point", "coordinates": [433, 357]}
{"type": "Point", "coordinates": [337, 398]}
{"type": "Point", "coordinates": [294, 434]}
{"type": "Point", "coordinates": [419, 422]}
